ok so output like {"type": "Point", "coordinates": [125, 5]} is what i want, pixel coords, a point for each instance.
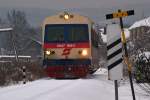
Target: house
{"type": "Point", "coordinates": [139, 29]}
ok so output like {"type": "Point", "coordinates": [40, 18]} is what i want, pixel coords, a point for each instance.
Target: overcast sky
{"type": "Point", "coordinates": [101, 7]}
{"type": "Point", "coordinates": [58, 4]}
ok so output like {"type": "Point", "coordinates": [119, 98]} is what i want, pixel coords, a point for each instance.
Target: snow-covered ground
{"type": "Point", "coordinates": [95, 87]}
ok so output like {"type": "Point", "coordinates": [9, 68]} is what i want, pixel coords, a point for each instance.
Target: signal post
{"type": "Point", "coordinates": [120, 14]}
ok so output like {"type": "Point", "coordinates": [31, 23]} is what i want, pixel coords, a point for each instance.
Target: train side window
{"type": "Point", "coordinates": [94, 38]}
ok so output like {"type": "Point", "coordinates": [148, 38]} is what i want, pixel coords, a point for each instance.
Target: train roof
{"type": "Point", "coordinates": [73, 19]}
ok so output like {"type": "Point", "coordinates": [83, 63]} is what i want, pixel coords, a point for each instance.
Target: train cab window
{"type": "Point", "coordinates": [66, 33]}
{"type": "Point", "coordinates": [54, 33]}
{"type": "Point", "coordinates": [78, 33]}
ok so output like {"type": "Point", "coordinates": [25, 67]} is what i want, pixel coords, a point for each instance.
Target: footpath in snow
{"type": "Point", "coordinates": [95, 87]}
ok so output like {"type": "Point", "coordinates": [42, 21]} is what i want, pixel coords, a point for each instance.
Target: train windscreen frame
{"type": "Point", "coordinates": [66, 33]}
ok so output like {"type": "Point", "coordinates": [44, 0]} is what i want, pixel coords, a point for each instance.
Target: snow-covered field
{"type": "Point", "coordinates": [96, 87]}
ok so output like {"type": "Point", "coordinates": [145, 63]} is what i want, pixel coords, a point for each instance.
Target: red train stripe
{"type": "Point", "coordinates": [66, 45]}
{"type": "Point", "coordinates": [61, 71]}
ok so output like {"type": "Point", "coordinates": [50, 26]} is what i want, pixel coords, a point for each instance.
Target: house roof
{"type": "Point", "coordinates": [5, 29]}
{"type": "Point", "coordinates": [143, 22]}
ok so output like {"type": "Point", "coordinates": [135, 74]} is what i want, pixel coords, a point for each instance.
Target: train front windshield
{"type": "Point", "coordinates": [66, 33]}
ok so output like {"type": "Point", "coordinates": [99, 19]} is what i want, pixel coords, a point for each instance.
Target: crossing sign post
{"type": "Point", "coordinates": [114, 55]}
{"type": "Point", "coordinates": [114, 52]}
{"type": "Point", "coordinates": [120, 14]}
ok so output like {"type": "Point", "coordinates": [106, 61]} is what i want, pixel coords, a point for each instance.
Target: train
{"type": "Point", "coordinates": [70, 46]}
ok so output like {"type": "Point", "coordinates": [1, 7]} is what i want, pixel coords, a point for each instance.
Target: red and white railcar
{"type": "Point", "coordinates": [70, 46]}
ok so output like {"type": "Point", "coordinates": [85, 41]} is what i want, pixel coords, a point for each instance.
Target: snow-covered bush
{"type": "Point", "coordinates": [11, 72]}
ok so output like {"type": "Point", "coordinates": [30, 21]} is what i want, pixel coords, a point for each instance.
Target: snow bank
{"type": "Point", "coordinates": [104, 38]}
{"type": "Point", "coordinates": [146, 54]}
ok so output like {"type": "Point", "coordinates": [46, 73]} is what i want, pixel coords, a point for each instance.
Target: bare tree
{"type": "Point", "coordinates": [21, 29]}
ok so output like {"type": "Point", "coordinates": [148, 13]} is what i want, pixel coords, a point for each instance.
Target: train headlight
{"type": "Point", "coordinates": [83, 52]}
{"type": "Point", "coordinates": [66, 16]}
{"type": "Point", "coordinates": [48, 52]}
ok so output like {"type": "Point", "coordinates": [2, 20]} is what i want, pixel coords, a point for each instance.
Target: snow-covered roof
{"type": "Point", "coordinates": [143, 22]}
{"type": "Point", "coordinates": [6, 29]}
{"type": "Point", "coordinates": [13, 56]}
{"type": "Point", "coordinates": [38, 41]}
